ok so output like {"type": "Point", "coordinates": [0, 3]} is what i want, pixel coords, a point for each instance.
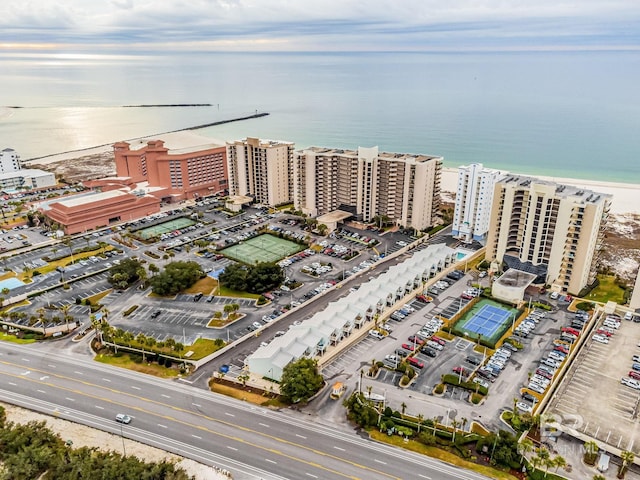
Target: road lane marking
{"type": "Point", "coordinates": [271, 461]}
{"type": "Point", "coordinates": [424, 476]}
{"type": "Point", "coordinates": [13, 384]}
{"type": "Point", "coordinates": [41, 391]}
{"type": "Point", "coordinates": [78, 373]}
{"type": "Point", "coordinates": [70, 399]}
{"type": "Point", "coordinates": [229, 414]}
{"type": "Point", "coordinates": [162, 426]}
{"type": "Point", "coordinates": [25, 359]}
{"type": "Point", "coordinates": [135, 388]}
{"type": "Point", "coordinates": [44, 378]}
{"type": "Point", "coordinates": [264, 425]}
{"type": "Point", "coordinates": [196, 436]}
{"type": "Point", "coordinates": [218, 433]}
{"type": "Point", "coordinates": [99, 407]}
{"type": "Point", "coordinates": [106, 380]}
{"type": "Point", "coordinates": [379, 461]}
{"type": "Point", "coordinates": [232, 448]}
{"type": "Point", "coordinates": [301, 436]}
{"type": "Point", "coordinates": [196, 405]}
{"type": "Point", "coordinates": [166, 396]}
{"type": "Point", "coordinates": [51, 366]}
{"type": "Point", "coordinates": [311, 475]}
{"type": "Point", "coordinates": [339, 448]}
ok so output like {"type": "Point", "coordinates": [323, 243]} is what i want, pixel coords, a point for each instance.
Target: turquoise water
{"type": "Point", "coordinates": [10, 283]}
{"type": "Point", "coordinates": [561, 114]}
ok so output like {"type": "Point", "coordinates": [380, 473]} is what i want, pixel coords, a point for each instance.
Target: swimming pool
{"type": "Point", "coordinates": [10, 283]}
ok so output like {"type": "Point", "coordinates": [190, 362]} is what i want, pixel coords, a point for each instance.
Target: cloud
{"type": "Point", "coordinates": [328, 24]}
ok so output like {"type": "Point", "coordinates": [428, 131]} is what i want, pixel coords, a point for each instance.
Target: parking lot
{"type": "Point", "coordinates": [592, 399]}
{"type": "Point", "coordinates": [503, 387]}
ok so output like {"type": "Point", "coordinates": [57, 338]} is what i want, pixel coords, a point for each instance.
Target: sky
{"type": "Point", "coordinates": [117, 26]}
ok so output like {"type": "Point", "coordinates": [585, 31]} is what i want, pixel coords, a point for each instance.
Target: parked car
{"type": "Point", "coordinates": [376, 334]}
{"type": "Point", "coordinates": [415, 362]}
{"type": "Point", "coordinates": [524, 407]}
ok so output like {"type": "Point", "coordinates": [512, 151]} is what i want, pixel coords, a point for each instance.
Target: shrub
{"type": "Point", "coordinates": [455, 380]}
{"type": "Point", "coordinates": [404, 381]}
{"type": "Point", "coordinates": [129, 310]}
{"type": "Point", "coordinates": [439, 389]}
{"type": "Point", "coordinates": [585, 306]}
{"type": "Point", "coordinates": [476, 398]}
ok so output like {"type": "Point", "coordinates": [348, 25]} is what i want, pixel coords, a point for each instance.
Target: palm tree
{"type": "Point", "coordinates": [515, 408]}
{"type": "Point", "coordinates": [543, 456]}
{"type": "Point", "coordinates": [559, 462]}
{"type": "Point", "coordinates": [525, 447]}
{"type": "Point", "coordinates": [627, 458]}
{"type": "Point", "coordinates": [454, 424]}
{"type": "Point", "coordinates": [403, 407]}
{"type": "Point", "coordinates": [420, 420]}
{"type": "Point", "coordinates": [65, 314]}
{"type": "Point", "coordinates": [464, 422]}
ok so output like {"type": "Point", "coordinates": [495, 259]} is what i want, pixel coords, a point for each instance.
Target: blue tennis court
{"type": "Point", "coordinates": [487, 320]}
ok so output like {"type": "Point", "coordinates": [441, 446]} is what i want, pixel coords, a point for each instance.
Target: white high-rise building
{"type": "Point", "coordinates": [9, 161]}
{"type": "Point", "coordinates": [474, 197]}
{"type": "Point", "coordinates": [262, 169]}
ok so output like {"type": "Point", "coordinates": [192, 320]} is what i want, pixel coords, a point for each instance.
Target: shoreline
{"type": "Point", "coordinates": [625, 195]}
{"type": "Point", "coordinates": [107, 146]}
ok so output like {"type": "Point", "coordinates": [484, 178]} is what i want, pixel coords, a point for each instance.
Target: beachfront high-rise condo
{"type": "Point", "coordinates": [554, 231]}
{"type": "Point", "coordinates": [367, 183]}
{"type": "Point", "coordinates": [261, 169]}
{"type": "Point", "coordinates": [173, 176]}
{"type": "Point", "coordinates": [9, 161]}
{"type": "Point", "coordinates": [474, 196]}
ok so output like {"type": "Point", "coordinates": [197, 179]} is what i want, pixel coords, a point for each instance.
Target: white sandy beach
{"type": "Point", "coordinates": [626, 196]}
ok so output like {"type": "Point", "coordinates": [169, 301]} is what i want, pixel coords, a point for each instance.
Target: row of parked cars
{"type": "Point", "coordinates": [544, 374]}
{"type": "Point", "coordinates": [609, 325]}
{"type": "Point", "coordinates": [494, 365]}
{"type": "Point", "coordinates": [423, 341]}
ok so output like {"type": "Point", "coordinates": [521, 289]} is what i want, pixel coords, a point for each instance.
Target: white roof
{"type": "Point", "coordinates": [317, 329]}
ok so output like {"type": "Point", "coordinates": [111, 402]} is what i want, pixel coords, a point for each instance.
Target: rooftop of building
{"type": "Point", "coordinates": [260, 142]}
{"type": "Point", "coordinates": [83, 199]}
{"type": "Point", "coordinates": [25, 172]}
{"type": "Point", "coordinates": [581, 195]}
{"type": "Point", "coordinates": [381, 155]}
{"type": "Point", "coordinates": [515, 278]}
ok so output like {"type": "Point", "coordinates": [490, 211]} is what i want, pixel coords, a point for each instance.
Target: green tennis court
{"type": "Point", "coordinates": [487, 320]}
{"type": "Point", "coordinates": [263, 248]}
{"type": "Point", "coordinates": [166, 227]}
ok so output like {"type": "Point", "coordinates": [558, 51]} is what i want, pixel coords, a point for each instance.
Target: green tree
{"type": "Point", "coordinates": [300, 380]}
{"type": "Point", "coordinates": [175, 277]}
{"type": "Point", "coordinates": [125, 274]}
{"type": "Point", "coordinates": [627, 458]}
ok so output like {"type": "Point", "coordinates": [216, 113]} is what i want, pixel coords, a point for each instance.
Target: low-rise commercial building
{"type": "Point", "coordinates": [28, 178]}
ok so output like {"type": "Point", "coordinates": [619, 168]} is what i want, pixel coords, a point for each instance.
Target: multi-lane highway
{"type": "Point", "coordinates": [252, 442]}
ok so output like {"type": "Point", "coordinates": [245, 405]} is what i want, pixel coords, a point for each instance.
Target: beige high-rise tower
{"type": "Point", "coordinates": [262, 169]}
{"type": "Point", "coordinates": [368, 183]}
{"type": "Point", "coordinates": [555, 231]}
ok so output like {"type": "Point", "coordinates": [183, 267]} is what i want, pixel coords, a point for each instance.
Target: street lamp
{"type": "Point", "coordinates": [124, 449]}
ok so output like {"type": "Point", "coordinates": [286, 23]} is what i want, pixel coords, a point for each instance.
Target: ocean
{"type": "Point", "coordinates": [563, 114]}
